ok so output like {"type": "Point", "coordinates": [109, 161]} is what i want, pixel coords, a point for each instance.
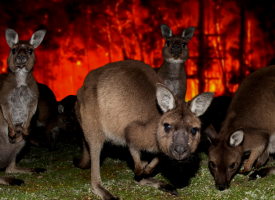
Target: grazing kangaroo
{"type": "Point", "coordinates": [175, 53]}
{"type": "Point", "coordinates": [127, 104]}
{"type": "Point", "coordinates": [18, 101]}
{"type": "Point", "coordinates": [248, 128]}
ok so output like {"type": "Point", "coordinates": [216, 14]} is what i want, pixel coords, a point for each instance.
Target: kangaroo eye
{"type": "Point", "coordinates": [30, 51]}
{"type": "Point", "coordinates": [232, 166]}
{"type": "Point", "coordinates": [168, 43]}
{"type": "Point", "coordinates": [184, 44]}
{"type": "Point", "coordinates": [167, 127]}
{"type": "Point", "coordinates": [194, 131]}
{"type": "Point", "coordinates": [212, 164]}
{"type": "Point", "coordinates": [64, 120]}
{"type": "Point", "coordinates": [13, 51]}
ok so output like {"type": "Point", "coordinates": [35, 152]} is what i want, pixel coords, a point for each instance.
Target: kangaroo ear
{"type": "Point", "coordinates": [236, 138]}
{"type": "Point", "coordinates": [11, 37]}
{"type": "Point", "coordinates": [165, 98]}
{"type": "Point", "coordinates": [211, 134]}
{"type": "Point", "coordinates": [166, 31]}
{"type": "Point", "coordinates": [199, 104]}
{"type": "Point", "coordinates": [60, 108]}
{"type": "Point", "coordinates": [187, 34]}
{"type": "Point", "coordinates": [37, 38]}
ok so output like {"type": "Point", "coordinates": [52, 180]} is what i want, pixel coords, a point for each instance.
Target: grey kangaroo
{"type": "Point", "coordinates": [18, 101]}
{"type": "Point", "coordinates": [248, 128]}
{"type": "Point", "coordinates": [175, 53]}
{"type": "Point", "coordinates": [127, 103]}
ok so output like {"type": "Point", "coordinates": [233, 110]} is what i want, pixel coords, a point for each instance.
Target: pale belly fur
{"type": "Point", "coordinates": [19, 101]}
{"type": "Point", "coordinates": [271, 145]}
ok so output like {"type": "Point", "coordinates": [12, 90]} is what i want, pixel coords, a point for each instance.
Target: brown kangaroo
{"type": "Point", "coordinates": [51, 115]}
{"type": "Point", "coordinates": [18, 101]}
{"type": "Point", "coordinates": [47, 115]}
{"type": "Point", "coordinates": [248, 128]}
{"type": "Point", "coordinates": [175, 53]}
{"type": "Point", "coordinates": [67, 118]}
{"type": "Point", "coordinates": [127, 104]}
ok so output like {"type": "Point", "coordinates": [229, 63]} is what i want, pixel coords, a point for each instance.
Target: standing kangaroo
{"type": "Point", "coordinates": [18, 101]}
{"type": "Point", "coordinates": [127, 104]}
{"type": "Point", "coordinates": [175, 53]}
{"type": "Point", "coordinates": [248, 128]}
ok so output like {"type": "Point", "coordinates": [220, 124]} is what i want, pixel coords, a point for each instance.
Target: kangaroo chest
{"type": "Point", "coordinates": [174, 85]}
{"type": "Point", "coordinates": [19, 101]}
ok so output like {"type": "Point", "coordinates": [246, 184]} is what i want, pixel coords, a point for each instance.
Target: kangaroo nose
{"type": "Point", "coordinates": [179, 149]}
{"type": "Point", "coordinates": [221, 187]}
{"type": "Point", "coordinates": [21, 59]}
{"type": "Point", "coordinates": [176, 49]}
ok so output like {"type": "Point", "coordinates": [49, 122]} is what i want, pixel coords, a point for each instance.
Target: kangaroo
{"type": "Point", "coordinates": [51, 115]}
{"type": "Point", "coordinates": [67, 118]}
{"type": "Point", "coordinates": [127, 103]}
{"type": "Point", "coordinates": [47, 114]}
{"type": "Point", "coordinates": [248, 128]}
{"type": "Point", "coordinates": [18, 101]}
{"type": "Point", "coordinates": [175, 53]}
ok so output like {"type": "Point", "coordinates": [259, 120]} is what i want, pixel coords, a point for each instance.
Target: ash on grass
{"type": "Point", "coordinates": [64, 181]}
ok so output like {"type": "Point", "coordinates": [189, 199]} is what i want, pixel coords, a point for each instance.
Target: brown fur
{"type": "Point", "coordinates": [248, 125]}
{"type": "Point", "coordinates": [52, 116]}
{"type": "Point", "coordinates": [18, 101]}
{"type": "Point", "coordinates": [175, 53]}
{"type": "Point", "coordinates": [118, 103]}
{"type": "Point", "coordinates": [67, 118]}
{"type": "Point", "coordinates": [47, 115]}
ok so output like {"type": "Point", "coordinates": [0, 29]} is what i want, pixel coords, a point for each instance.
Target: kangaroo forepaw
{"type": "Point", "coordinates": [170, 189]}
{"type": "Point", "coordinates": [114, 198]}
{"type": "Point", "coordinates": [11, 132]}
{"type": "Point", "coordinates": [244, 172]}
{"type": "Point", "coordinates": [39, 170]}
{"type": "Point", "coordinates": [26, 131]}
{"type": "Point", "coordinates": [259, 173]}
{"type": "Point", "coordinates": [17, 182]}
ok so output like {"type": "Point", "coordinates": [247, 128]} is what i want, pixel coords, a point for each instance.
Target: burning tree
{"type": "Point", "coordinates": [233, 38]}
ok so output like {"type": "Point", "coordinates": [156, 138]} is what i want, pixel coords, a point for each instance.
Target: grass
{"type": "Point", "coordinates": [64, 181]}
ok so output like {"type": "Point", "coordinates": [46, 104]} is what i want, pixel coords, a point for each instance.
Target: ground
{"type": "Point", "coordinates": [64, 181]}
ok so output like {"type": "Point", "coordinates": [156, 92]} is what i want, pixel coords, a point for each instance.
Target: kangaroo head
{"type": "Point", "coordinates": [18, 136]}
{"type": "Point", "coordinates": [21, 57]}
{"type": "Point", "coordinates": [178, 131]}
{"type": "Point", "coordinates": [175, 49]}
{"type": "Point", "coordinates": [66, 119]}
{"type": "Point", "coordinates": [225, 155]}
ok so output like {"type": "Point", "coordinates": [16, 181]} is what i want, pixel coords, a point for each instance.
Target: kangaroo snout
{"type": "Point", "coordinates": [176, 49]}
{"type": "Point", "coordinates": [20, 60]}
{"type": "Point", "coordinates": [222, 187]}
{"type": "Point", "coordinates": [179, 149]}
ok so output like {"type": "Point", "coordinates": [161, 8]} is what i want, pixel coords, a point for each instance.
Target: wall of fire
{"type": "Point", "coordinates": [232, 38]}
